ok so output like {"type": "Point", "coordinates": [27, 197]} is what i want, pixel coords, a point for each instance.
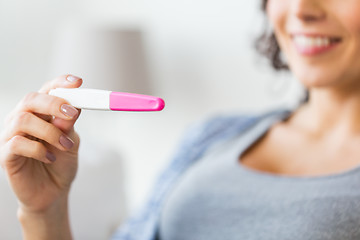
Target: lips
{"type": "Point", "coordinates": [311, 45]}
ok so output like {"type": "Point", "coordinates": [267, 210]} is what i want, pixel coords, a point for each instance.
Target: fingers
{"type": "Point", "coordinates": [38, 120]}
{"type": "Point", "coordinates": [44, 104]}
{"type": "Point", "coordinates": [65, 125]}
{"type": "Point", "coordinates": [22, 146]}
{"type": "Point", "coordinates": [48, 106]}
{"type": "Point", "coordinates": [27, 124]}
{"type": "Point", "coordinates": [64, 81]}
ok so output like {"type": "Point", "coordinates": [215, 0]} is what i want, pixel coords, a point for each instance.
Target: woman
{"type": "Point", "coordinates": [281, 175]}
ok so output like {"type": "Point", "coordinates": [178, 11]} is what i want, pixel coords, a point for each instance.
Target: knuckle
{"type": "Point", "coordinates": [21, 119]}
{"type": "Point", "coordinates": [14, 144]}
{"type": "Point", "coordinates": [55, 103]}
{"type": "Point", "coordinates": [50, 132]}
{"type": "Point", "coordinates": [26, 101]}
{"type": "Point", "coordinates": [37, 150]}
{"type": "Point", "coordinates": [47, 86]}
{"type": "Point", "coordinates": [15, 126]}
{"type": "Point", "coordinates": [57, 82]}
{"type": "Point", "coordinates": [29, 97]}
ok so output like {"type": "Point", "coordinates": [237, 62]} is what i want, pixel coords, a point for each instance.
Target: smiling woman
{"type": "Point", "coordinates": [284, 174]}
{"type": "Point", "coordinates": [302, 169]}
{"type": "Point", "coordinates": [320, 40]}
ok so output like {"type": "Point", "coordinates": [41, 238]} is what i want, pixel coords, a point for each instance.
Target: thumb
{"type": "Point", "coordinates": [64, 81]}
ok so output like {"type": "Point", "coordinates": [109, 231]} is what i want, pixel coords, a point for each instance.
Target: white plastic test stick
{"type": "Point", "coordinates": [96, 99]}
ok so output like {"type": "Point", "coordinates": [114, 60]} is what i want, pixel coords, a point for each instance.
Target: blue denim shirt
{"type": "Point", "coordinates": [198, 138]}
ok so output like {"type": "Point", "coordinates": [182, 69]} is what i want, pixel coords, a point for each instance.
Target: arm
{"type": "Point", "coordinates": [50, 224]}
{"type": "Point", "coordinates": [39, 153]}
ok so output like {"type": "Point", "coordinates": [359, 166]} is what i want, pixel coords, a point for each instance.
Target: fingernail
{"type": "Point", "coordinates": [50, 156]}
{"type": "Point", "coordinates": [66, 142]}
{"type": "Point", "coordinates": [72, 78]}
{"type": "Point", "coordinates": [68, 110]}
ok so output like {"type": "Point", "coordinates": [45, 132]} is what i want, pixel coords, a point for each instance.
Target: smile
{"type": "Point", "coordinates": [314, 45]}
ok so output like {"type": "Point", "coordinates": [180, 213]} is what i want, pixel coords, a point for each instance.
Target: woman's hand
{"type": "Point", "coordinates": [39, 152]}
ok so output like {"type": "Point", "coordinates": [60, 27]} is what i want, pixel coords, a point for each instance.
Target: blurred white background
{"type": "Point", "coordinates": [199, 57]}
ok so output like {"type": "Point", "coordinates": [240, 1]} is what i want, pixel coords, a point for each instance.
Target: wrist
{"type": "Point", "coordinates": [50, 223]}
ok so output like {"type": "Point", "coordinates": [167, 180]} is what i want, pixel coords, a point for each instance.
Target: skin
{"type": "Point", "coordinates": [322, 136]}
{"type": "Point", "coordinates": [41, 186]}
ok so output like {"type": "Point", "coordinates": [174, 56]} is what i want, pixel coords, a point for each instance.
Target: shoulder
{"type": "Point", "coordinates": [222, 126]}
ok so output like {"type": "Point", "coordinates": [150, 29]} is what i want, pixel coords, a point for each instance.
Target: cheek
{"type": "Point", "coordinates": [276, 12]}
{"type": "Point", "coordinates": [349, 17]}
{"type": "Point", "coordinates": [354, 27]}
{"type": "Point", "coordinates": [350, 20]}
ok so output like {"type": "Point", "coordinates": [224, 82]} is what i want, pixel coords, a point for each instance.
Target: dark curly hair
{"type": "Point", "coordinates": [268, 46]}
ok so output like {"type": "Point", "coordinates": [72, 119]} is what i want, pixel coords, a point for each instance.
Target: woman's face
{"type": "Point", "coordinates": [320, 40]}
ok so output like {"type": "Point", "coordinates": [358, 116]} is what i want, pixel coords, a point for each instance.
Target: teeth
{"type": "Point", "coordinates": [310, 42]}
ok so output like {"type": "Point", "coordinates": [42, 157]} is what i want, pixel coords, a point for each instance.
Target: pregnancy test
{"type": "Point", "coordinates": [95, 99]}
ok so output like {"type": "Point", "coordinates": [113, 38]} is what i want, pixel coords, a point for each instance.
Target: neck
{"type": "Point", "coordinates": [330, 111]}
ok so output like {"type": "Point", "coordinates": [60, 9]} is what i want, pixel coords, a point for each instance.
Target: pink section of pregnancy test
{"type": "Point", "coordinates": [120, 101]}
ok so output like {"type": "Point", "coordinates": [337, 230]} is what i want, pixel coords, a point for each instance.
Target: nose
{"type": "Point", "coordinates": [308, 10]}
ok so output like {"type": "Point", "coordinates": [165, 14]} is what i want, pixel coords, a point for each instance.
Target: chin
{"type": "Point", "coordinates": [316, 83]}
{"type": "Point", "coordinates": [316, 77]}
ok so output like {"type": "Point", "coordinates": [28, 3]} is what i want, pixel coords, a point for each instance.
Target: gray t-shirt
{"type": "Point", "coordinates": [218, 198]}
